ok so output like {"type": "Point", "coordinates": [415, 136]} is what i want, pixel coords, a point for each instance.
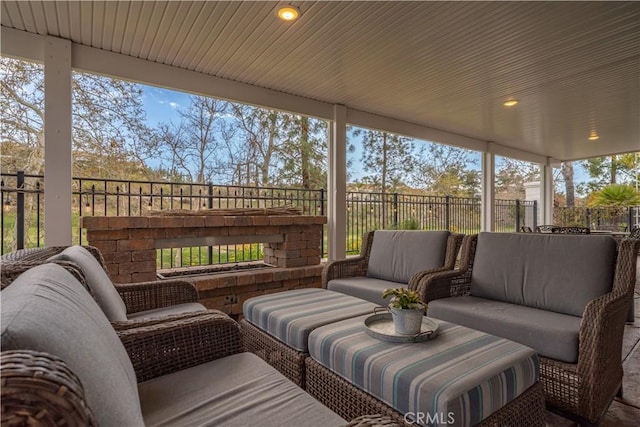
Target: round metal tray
{"type": "Point", "coordinates": [380, 326]}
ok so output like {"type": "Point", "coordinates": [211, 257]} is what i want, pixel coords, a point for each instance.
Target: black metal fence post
{"type": "Point", "coordinates": [535, 214]}
{"type": "Point", "coordinates": [20, 210]}
{"type": "Point", "coordinates": [517, 215]}
{"type": "Point", "coordinates": [447, 213]}
{"type": "Point", "coordinates": [38, 213]}
{"type": "Point", "coordinates": [395, 210]}
{"type": "Point", "coordinates": [587, 217]}
{"type": "Point", "coordinates": [210, 206]}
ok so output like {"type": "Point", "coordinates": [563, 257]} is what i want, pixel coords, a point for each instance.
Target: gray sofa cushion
{"type": "Point", "coordinates": [46, 309]}
{"type": "Point", "coordinates": [239, 390]}
{"type": "Point", "coordinates": [167, 311]}
{"type": "Point", "coordinates": [560, 273]}
{"type": "Point", "coordinates": [553, 335]}
{"type": "Point", "coordinates": [98, 281]}
{"type": "Point", "coordinates": [365, 288]}
{"type": "Point", "coordinates": [398, 255]}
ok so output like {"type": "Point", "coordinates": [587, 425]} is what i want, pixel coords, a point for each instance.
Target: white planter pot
{"type": "Point", "coordinates": [407, 321]}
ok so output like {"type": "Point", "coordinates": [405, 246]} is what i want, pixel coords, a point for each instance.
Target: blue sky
{"type": "Point", "coordinates": [161, 104]}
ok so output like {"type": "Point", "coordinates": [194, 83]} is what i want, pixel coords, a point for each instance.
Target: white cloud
{"type": "Point", "coordinates": [173, 104]}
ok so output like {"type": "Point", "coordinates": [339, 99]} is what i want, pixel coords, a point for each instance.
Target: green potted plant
{"type": "Point", "coordinates": [406, 309]}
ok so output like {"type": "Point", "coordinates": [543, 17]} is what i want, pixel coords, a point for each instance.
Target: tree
{"type": "Point", "coordinates": [303, 152]}
{"type": "Point", "coordinates": [512, 175]}
{"type": "Point", "coordinates": [252, 153]}
{"type": "Point", "coordinates": [22, 105]}
{"type": "Point", "coordinates": [618, 169]}
{"type": "Point", "coordinates": [386, 157]}
{"type": "Point", "coordinates": [445, 170]}
{"type": "Point", "coordinates": [567, 175]}
{"type": "Point", "coordinates": [192, 148]}
{"type": "Point", "coordinates": [110, 137]}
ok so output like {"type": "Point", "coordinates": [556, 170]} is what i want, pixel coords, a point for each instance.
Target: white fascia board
{"type": "Point", "coordinates": [514, 153]}
{"type": "Point", "coordinates": [413, 130]}
{"type": "Point", "coordinates": [125, 67]}
{"type": "Point", "coordinates": [21, 44]}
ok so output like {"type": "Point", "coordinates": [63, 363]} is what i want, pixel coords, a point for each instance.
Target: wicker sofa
{"type": "Point", "coordinates": [62, 364]}
{"type": "Point", "coordinates": [391, 259]}
{"type": "Point", "coordinates": [125, 305]}
{"type": "Point", "coordinates": [565, 296]}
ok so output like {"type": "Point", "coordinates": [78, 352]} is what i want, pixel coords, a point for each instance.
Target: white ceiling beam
{"type": "Point", "coordinates": [412, 130]}
{"type": "Point", "coordinates": [21, 44]}
{"type": "Point", "coordinates": [514, 153]}
{"type": "Point", "coordinates": [125, 67]}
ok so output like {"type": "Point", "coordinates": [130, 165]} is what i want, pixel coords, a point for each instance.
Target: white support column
{"type": "Point", "coordinates": [488, 188]}
{"type": "Point", "coordinates": [57, 141]}
{"type": "Point", "coordinates": [337, 185]}
{"type": "Point", "coordinates": [546, 193]}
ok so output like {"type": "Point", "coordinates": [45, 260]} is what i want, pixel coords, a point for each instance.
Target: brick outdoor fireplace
{"type": "Point", "coordinates": [291, 245]}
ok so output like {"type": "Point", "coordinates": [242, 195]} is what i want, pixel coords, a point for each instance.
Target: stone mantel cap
{"type": "Point", "coordinates": [197, 221]}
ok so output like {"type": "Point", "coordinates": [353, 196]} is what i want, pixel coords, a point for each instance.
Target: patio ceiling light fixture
{"type": "Point", "coordinates": [593, 136]}
{"type": "Point", "coordinates": [510, 102]}
{"type": "Point", "coordinates": [288, 13]}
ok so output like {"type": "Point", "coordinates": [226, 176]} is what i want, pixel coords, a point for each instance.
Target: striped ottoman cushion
{"type": "Point", "coordinates": [460, 378]}
{"type": "Point", "coordinates": [290, 316]}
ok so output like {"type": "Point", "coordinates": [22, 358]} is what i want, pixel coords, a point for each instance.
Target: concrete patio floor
{"type": "Point", "coordinates": [623, 411]}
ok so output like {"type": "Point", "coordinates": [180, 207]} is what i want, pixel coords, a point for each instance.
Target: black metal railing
{"type": "Point", "coordinates": [22, 214]}
{"type": "Point", "coordinates": [614, 218]}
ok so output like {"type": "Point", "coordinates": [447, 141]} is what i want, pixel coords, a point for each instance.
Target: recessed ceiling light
{"type": "Point", "coordinates": [288, 13]}
{"type": "Point", "coordinates": [510, 103]}
{"type": "Point", "coordinates": [593, 136]}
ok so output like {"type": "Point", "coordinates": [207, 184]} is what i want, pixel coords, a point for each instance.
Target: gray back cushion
{"type": "Point", "coordinates": [560, 273]}
{"type": "Point", "coordinates": [398, 255]}
{"type": "Point", "coordinates": [46, 309]}
{"type": "Point", "coordinates": [98, 281]}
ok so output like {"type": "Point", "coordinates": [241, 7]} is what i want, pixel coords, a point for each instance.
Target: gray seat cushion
{"type": "Point", "coordinates": [98, 281]}
{"type": "Point", "coordinates": [238, 390]}
{"type": "Point", "coordinates": [46, 309]}
{"type": "Point", "coordinates": [560, 273]}
{"type": "Point", "coordinates": [366, 288]}
{"type": "Point", "coordinates": [167, 311]}
{"type": "Point", "coordinates": [398, 255]}
{"type": "Point", "coordinates": [553, 335]}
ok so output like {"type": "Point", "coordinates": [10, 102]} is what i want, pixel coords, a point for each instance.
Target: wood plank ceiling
{"type": "Point", "coordinates": [574, 66]}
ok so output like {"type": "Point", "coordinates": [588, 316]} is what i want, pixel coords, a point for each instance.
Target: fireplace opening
{"type": "Point", "coordinates": [203, 270]}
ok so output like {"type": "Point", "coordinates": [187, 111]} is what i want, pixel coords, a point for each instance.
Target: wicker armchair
{"type": "Point", "coordinates": [635, 233]}
{"type": "Point", "coordinates": [583, 390]}
{"type": "Point", "coordinates": [64, 365]}
{"type": "Point", "coordinates": [138, 298]}
{"type": "Point", "coordinates": [359, 265]}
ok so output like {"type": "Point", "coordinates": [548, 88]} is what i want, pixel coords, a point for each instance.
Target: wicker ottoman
{"type": "Point", "coordinates": [276, 327]}
{"type": "Point", "coordinates": [463, 377]}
